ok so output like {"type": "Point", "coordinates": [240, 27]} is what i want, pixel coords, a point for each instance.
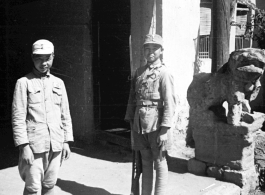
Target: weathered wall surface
{"type": "Point", "coordinates": [180, 28]}
{"type": "Point", "coordinates": [67, 24]}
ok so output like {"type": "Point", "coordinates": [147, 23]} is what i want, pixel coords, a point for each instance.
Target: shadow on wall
{"type": "Point", "coordinates": [8, 152]}
{"type": "Point", "coordinates": [8, 157]}
{"type": "Point", "coordinates": [75, 188]}
{"type": "Point", "coordinates": [177, 165]}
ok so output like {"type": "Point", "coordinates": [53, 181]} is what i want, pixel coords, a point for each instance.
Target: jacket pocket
{"type": "Point", "coordinates": [34, 95]}
{"type": "Point", "coordinates": [57, 94]}
{"type": "Point", "coordinates": [153, 85]}
{"type": "Point", "coordinates": [149, 118]}
{"type": "Point", "coordinates": [31, 134]}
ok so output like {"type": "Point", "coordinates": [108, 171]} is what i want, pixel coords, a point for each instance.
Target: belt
{"type": "Point", "coordinates": [150, 103]}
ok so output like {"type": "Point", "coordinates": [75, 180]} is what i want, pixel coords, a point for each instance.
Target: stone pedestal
{"type": "Point", "coordinates": [227, 145]}
{"type": "Point", "coordinates": [226, 151]}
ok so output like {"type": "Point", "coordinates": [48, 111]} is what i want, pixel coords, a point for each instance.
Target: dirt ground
{"type": "Point", "coordinates": [106, 170]}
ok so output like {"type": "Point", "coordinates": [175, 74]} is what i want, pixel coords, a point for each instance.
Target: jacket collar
{"type": "Point", "coordinates": [155, 65]}
{"type": "Point", "coordinates": [39, 74]}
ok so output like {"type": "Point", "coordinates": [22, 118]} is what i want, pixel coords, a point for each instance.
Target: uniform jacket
{"type": "Point", "coordinates": [155, 84]}
{"type": "Point", "coordinates": [40, 112]}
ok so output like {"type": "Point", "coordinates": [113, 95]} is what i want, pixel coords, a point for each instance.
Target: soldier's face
{"type": "Point", "coordinates": [42, 62]}
{"type": "Point", "coordinates": [152, 52]}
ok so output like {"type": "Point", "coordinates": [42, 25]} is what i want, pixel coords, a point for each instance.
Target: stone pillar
{"type": "Point", "coordinates": [141, 19]}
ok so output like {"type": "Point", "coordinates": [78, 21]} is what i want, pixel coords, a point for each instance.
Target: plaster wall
{"type": "Point", "coordinates": [180, 28]}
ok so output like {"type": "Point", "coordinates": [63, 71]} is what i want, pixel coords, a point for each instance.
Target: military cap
{"type": "Point", "coordinates": [42, 46]}
{"type": "Point", "coordinates": [154, 39]}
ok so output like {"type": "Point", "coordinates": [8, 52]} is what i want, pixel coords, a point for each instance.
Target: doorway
{"type": "Point", "coordinates": [111, 64]}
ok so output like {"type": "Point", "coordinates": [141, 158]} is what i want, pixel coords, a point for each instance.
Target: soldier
{"type": "Point", "coordinates": [150, 111]}
{"type": "Point", "coordinates": [41, 121]}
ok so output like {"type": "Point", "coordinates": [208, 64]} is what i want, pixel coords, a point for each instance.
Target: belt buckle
{"type": "Point", "coordinates": [145, 105]}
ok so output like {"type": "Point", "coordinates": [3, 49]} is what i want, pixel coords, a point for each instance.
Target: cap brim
{"type": "Point", "coordinates": [41, 51]}
{"type": "Point", "coordinates": [150, 42]}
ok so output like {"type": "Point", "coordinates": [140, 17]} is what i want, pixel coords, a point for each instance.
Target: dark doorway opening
{"type": "Point", "coordinates": [111, 64]}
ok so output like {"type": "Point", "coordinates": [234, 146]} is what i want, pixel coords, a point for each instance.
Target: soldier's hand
{"type": "Point", "coordinates": [131, 124]}
{"type": "Point", "coordinates": [162, 136]}
{"type": "Point", "coordinates": [26, 154]}
{"type": "Point", "coordinates": [66, 152]}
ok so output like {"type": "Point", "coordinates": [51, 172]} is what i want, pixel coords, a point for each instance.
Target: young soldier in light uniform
{"type": "Point", "coordinates": [41, 120]}
{"type": "Point", "coordinates": [150, 111]}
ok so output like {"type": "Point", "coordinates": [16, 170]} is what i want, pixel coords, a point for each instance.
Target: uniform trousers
{"type": "Point", "coordinates": [42, 174]}
{"type": "Point", "coordinates": [153, 158]}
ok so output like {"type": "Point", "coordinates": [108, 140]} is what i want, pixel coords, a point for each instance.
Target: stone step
{"type": "Point", "coordinates": [224, 189]}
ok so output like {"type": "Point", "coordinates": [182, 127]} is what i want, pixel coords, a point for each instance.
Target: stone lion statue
{"type": "Point", "coordinates": [225, 95]}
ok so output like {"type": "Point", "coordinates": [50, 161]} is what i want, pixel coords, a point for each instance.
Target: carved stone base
{"type": "Point", "coordinates": [226, 152]}
{"type": "Point", "coordinates": [247, 180]}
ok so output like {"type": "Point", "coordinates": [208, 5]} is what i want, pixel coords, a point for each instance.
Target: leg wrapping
{"type": "Point", "coordinates": [28, 192]}
{"type": "Point", "coordinates": [161, 177]}
{"type": "Point", "coordinates": [47, 191]}
{"type": "Point", "coordinates": [147, 177]}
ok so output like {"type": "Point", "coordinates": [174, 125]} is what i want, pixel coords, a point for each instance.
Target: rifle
{"type": "Point", "coordinates": [136, 172]}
